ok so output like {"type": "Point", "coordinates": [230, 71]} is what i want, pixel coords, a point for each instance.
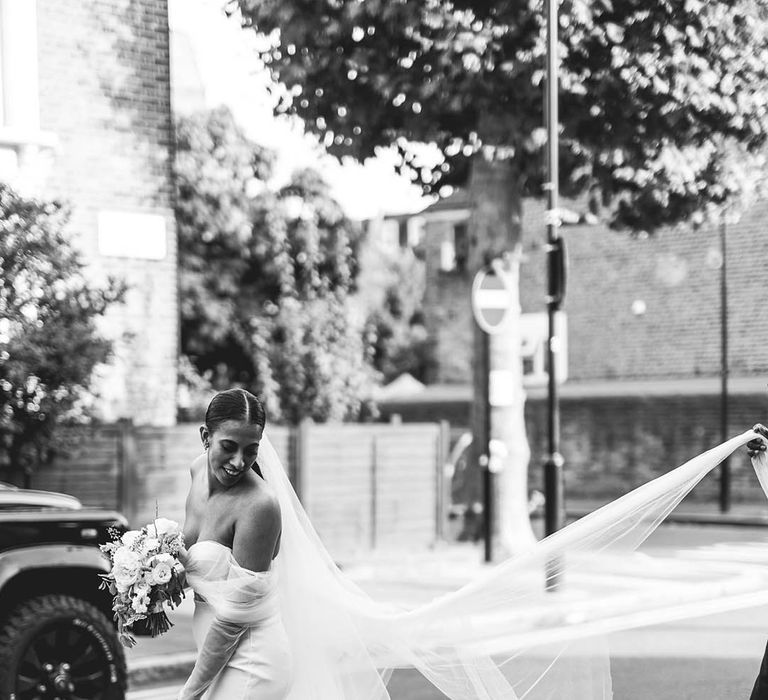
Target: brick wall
{"type": "Point", "coordinates": [612, 443]}
{"type": "Point", "coordinates": [105, 93]}
{"type": "Point", "coordinates": [674, 273]}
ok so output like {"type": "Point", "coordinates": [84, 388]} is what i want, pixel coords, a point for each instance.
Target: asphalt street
{"type": "Point", "coordinates": [633, 679]}
{"type": "Point", "coordinates": [714, 657]}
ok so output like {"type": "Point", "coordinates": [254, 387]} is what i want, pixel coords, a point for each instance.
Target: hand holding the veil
{"type": "Point", "coordinates": [756, 446]}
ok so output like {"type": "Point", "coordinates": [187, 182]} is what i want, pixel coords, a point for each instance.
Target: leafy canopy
{"type": "Point", "coordinates": [49, 341]}
{"type": "Point", "coordinates": [265, 275]}
{"type": "Point", "coordinates": [390, 295]}
{"type": "Point", "coordinates": [663, 110]}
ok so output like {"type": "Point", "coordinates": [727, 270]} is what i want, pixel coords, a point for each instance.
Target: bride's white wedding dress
{"type": "Point", "coordinates": [531, 628]}
{"type": "Point", "coordinates": [260, 665]}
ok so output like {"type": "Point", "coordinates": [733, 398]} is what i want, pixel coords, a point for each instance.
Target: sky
{"type": "Point", "coordinates": [214, 61]}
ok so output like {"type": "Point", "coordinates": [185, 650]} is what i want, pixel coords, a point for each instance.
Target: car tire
{"type": "Point", "coordinates": [63, 643]}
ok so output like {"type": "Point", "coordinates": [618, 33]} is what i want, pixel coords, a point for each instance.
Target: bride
{"type": "Point", "coordinates": [232, 530]}
{"type": "Point", "coordinates": [276, 620]}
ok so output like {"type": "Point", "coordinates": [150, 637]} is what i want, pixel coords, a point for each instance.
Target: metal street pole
{"type": "Point", "coordinates": [725, 469]}
{"type": "Point", "coordinates": [553, 467]}
{"type": "Point", "coordinates": [485, 457]}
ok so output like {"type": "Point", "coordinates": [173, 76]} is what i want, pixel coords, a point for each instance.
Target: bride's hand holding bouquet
{"type": "Point", "coordinates": [146, 573]}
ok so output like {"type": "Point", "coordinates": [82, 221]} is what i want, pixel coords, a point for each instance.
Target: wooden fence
{"type": "Point", "coordinates": [363, 485]}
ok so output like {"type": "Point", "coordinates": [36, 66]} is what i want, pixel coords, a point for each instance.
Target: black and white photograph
{"type": "Point", "coordinates": [383, 350]}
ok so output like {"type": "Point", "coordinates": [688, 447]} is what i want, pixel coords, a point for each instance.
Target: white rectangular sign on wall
{"type": "Point", "coordinates": [129, 235]}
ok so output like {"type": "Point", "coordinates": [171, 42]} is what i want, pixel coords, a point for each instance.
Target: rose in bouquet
{"type": "Point", "coordinates": [145, 575]}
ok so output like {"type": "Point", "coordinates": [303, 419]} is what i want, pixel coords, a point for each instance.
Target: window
{"type": "Point", "coordinates": [24, 149]}
{"type": "Point", "coordinates": [18, 64]}
{"type": "Point", "coordinates": [390, 234]}
{"type": "Point", "coordinates": [415, 231]}
{"type": "Point", "coordinates": [534, 329]}
{"type": "Point", "coordinates": [447, 255]}
{"type": "Point", "coordinates": [454, 248]}
{"type": "Point", "coordinates": [461, 245]}
{"type": "Point", "coordinates": [402, 231]}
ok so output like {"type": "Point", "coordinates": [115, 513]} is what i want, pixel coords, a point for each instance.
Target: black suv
{"type": "Point", "coordinates": [57, 638]}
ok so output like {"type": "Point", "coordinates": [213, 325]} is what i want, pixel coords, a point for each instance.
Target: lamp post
{"type": "Point", "coordinates": [553, 467]}
{"type": "Point", "coordinates": [725, 469]}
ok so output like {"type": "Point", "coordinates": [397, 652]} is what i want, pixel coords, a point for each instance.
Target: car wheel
{"type": "Point", "coordinates": [60, 646]}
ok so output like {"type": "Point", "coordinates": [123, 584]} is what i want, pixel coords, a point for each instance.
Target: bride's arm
{"type": "Point", "coordinates": [757, 445]}
{"type": "Point", "coordinates": [181, 566]}
{"type": "Point", "coordinates": [256, 535]}
{"type": "Point", "coordinates": [220, 643]}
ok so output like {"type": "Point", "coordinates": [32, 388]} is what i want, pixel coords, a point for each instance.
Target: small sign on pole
{"type": "Point", "coordinates": [491, 300]}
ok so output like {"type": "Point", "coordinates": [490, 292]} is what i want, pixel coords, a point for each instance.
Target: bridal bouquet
{"type": "Point", "coordinates": [145, 575]}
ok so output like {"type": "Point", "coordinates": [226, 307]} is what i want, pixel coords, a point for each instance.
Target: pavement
{"type": "Point", "coordinates": [158, 665]}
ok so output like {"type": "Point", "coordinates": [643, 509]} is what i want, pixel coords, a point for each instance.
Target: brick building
{"type": "Point", "coordinates": [638, 308]}
{"type": "Point", "coordinates": [86, 118]}
{"type": "Point", "coordinates": [642, 347]}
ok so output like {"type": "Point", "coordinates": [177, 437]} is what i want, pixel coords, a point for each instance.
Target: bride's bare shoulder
{"type": "Point", "coordinates": [258, 507]}
{"type": "Point", "coordinates": [269, 499]}
{"type": "Point", "coordinates": [257, 528]}
{"type": "Point", "coordinates": [197, 464]}
{"type": "Point", "coordinates": [261, 496]}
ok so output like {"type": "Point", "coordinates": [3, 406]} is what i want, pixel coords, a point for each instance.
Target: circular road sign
{"type": "Point", "coordinates": [490, 300]}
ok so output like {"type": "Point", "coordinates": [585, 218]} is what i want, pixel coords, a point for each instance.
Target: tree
{"type": "Point", "coordinates": [317, 363]}
{"type": "Point", "coordinates": [663, 114]}
{"type": "Point", "coordinates": [265, 276]}
{"type": "Point", "coordinates": [49, 341]}
{"type": "Point", "coordinates": [391, 294]}
{"type": "Point", "coordinates": [218, 175]}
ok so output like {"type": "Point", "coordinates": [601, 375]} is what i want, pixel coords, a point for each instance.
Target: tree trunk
{"type": "Point", "coordinates": [495, 232]}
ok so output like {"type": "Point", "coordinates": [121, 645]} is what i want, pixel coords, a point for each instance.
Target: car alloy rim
{"type": "Point", "coordinates": [64, 661]}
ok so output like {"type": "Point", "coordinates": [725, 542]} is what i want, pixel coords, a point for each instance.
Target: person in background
{"type": "Point", "coordinates": [760, 689]}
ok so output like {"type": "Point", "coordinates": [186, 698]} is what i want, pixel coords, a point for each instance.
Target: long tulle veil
{"type": "Point", "coordinates": [530, 628]}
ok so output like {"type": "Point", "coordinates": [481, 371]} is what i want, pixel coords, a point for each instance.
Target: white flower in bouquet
{"type": "Point", "coordinates": [129, 538]}
{"type": "Point", "coordinates": [126, 567]}
{"type": "Point", "coordinates": [164, 557]}
{"type": "Point", "coordinates": [160, 574]}
{"type": "Point", "coordinates": [163, 527]}
{"type": "Point", "coordinates": [151, 545]}
{"type": "Point", "coordinates": [140, 602]}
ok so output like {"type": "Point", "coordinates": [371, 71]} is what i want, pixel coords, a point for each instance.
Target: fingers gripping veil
{"type": "Point", "coordinates": [528, 628]}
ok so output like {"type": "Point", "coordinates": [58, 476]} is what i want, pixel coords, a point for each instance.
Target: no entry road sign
{"type": "Point", "coordinates": [490, 300]}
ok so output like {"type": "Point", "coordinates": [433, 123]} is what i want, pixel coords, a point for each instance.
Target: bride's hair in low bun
{"type": "Point", "coordinates": [234, 404]}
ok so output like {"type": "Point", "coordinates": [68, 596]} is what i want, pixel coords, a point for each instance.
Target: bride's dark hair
{"type": "Point", "coordinates": [234, 404]}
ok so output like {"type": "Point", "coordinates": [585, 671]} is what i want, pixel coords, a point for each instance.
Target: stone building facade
{"type": "Point", "coordinates": [87, 119]}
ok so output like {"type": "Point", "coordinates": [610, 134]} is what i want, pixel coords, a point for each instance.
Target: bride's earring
{"type": "Point", "coordinates": [206, 444]}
